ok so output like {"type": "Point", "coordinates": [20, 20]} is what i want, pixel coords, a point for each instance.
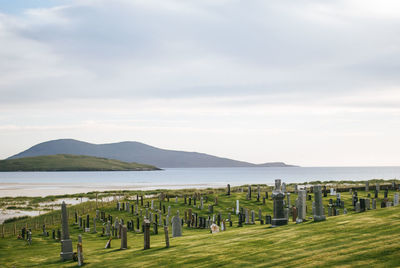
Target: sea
{"type": "Point", "coordinates": [177, 178]}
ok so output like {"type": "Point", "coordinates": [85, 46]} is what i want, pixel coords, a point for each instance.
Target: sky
{"type": "Point", "coordinates": [311, 83]}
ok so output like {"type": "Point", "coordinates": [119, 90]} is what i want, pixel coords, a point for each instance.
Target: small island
{"type": "Point", "coordinates": [67, 162]}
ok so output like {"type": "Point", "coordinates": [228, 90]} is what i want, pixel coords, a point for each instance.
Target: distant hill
{"type": "Point", "coordinates": [275, 164]}
{"type": "Point", "coordinates": [65, 162]}
{"type": "Point", "coordinates": [132, 152]}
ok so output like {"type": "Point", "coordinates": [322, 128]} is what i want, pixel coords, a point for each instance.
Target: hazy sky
{"type": "Point", "coordinates": [313, 83]}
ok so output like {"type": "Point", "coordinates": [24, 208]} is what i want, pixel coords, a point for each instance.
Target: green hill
{"type": "Point", "coordinates": [65, 162]}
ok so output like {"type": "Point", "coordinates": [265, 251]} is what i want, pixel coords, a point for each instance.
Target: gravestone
{"type": "Point", "coordinates": [279, 212]}
{"type": "Point", "coordinates": [294, 214]}
{"type": "Point", "coordinates": [396, 199]}
{"type": "Point", "coordinates": [237, 207]}
{"type": "Point", "coordinates": [367, 186]}
{"type": "Point", "coordinates": [87, 229]}
{"type": "Point", "coordinates": [301, 206]}
{"type": "Point", "coordinates": [146, 232]}
{"type": "Point", "coordinates": [367, 204]}
{"type": "Point", "coordinates": [268, 219]}
{"type": "Point", "coordinates": [124, 237]}
{"type": "Point", "coordinates": [80, 251]}
{"type": "Point", "coordinates": [94, 226]}
{"type": "Point", "coordinates": [249, 192]}
{"type": "Point", "coordinates": [358, 209]}
{"type": "Point", "coordinates": [319, 208]}
{"type": "Point", "coordinates": [362, 205]}
{"type": "Point", "coordinates": [228, 190]}
{"type": "Point", "coordinates": [66, 242]}
{"type": "Point", "coordinates": [296, 188]}
{"type": "Point", "coordinates": [160, 218]}
{"type": "Point", "coordinates": [288, 199]}
{"type": "Point", "coordinates": [166, 236]}
{"type": "Point", "coordinates": [284, 187]}
{"type": "Point", "coordinates": [108, 228]}
{"type": "Point", "coordinates": [377, 187]}
{"type": "Point", "coordinates": [333, 192]}
{"type": "Point", "coordinates": [29, 238]}
{"type": "Point", "coordinates": [80, 223]}
{"type": "Point", "coordinates": [176, 226]}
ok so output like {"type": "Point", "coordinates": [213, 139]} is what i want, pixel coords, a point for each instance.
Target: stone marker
{"type": "Point", "coordinates": [396, 199]}
{"type": "Point", "coordinates": [358, 207]}
{"type": "Point", "coordinates": [279, 211]}
{"type": "Point", "coordinates": [237, 207]}
{"type": "Point", "coordinates": [176, 226]}
{"type": "Point", "coordinates": [66, 243]}
{"type": "Point", "coordinates": [80, 251]}
{"type": "Point", "coordinates": [146, 224]}
{"type": "Point", "coordinates": [319, 208]}
{"type": "Point", "coordinates": [294, 214]}
{"type": "Point", "coordinates": [166, 236]}
{"type": "Point", "coordinates": [301, 206]}
{"type": "Point", "coordinates": [228, 190]}
{"type": "Point", "coordinates": [108, 228]}
{"type": "Point", "coordinates": [29, 238]}
{"type": "Point", "coordinates": [367, 186]}
{"type": "Point", "coordinates": [124, 238]}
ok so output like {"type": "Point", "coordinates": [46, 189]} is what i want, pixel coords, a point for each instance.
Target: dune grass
{"type": "Point", "coordinates": [370, 239]}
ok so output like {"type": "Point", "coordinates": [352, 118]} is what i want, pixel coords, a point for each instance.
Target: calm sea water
{"type": "Point", "coordinates": [177, 177]}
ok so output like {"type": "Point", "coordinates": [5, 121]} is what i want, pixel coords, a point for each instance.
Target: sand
{"type": "Point", "coordinates": [45, 189]}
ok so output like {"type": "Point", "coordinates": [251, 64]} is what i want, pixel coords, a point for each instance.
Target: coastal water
{"type": "Point", "coordinates": [43, 183]}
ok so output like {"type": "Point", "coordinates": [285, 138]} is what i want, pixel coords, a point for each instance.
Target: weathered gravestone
{"type": "Point", "coordinates": [66, 242]}
{"type": "Point", "coordinates": [319, 208]}
{"type": "Point", "coordinates": [80, 251]}
{"type": "Point", "coordinates": [301, 206]}
{"type": "Point", "coordinates": [124, 237]}
{"type": "Point", "coordinates": [279, 211]}
{"type": "Point", "coordinates": [176, 226]}
{"type": "Point", "coordinates": [396, 199]}
{"type": "Point", "coordinates": [146, 224]}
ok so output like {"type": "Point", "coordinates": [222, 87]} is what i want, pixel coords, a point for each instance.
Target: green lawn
{"type": "Point", "coordinates": [364, 239]}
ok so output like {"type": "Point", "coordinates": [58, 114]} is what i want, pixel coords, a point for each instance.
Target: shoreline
{"type": "Point", "coordinates": [46, 189]}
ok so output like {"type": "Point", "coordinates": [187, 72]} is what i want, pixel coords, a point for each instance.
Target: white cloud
{"type": "Point", "coordinates": [197, 74]}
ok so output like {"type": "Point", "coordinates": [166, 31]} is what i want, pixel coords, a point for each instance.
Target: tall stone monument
{"type": "Point", "coordinates": [279, 211]}
{"type": "Point", "coordinates": [319, 208]}
{"type": "Point", "coordinates": [66, 242]}
{"type": "Point", "coordinates": [301, 206]}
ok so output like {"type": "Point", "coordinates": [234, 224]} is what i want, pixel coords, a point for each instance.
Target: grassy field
{"type": "Point", "coordinates": [65, 162]}
{"type": "Point", "coordinates": [370, 238]}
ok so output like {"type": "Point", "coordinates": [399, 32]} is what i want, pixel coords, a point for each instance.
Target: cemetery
{"type": "Point", "coordinates": [310, 224]}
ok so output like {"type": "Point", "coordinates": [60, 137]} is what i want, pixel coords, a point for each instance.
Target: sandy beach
{"type": "Point", "coordinates": [45, 189]}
